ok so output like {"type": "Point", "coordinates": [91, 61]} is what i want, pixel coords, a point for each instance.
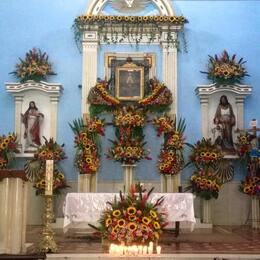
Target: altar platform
{"type": "Point", "coordinates": [220, 242]}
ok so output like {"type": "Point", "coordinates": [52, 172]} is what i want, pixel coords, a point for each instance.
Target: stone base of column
{"type": "Point", "coordinates": [87, 183]}
{"type": "Point", "coordinates": [206, 211]}
{"type": "Point", "coordinates": [170, 183]}
{"type": "Point", "coordinates": [128, 171]}
{"type": "Point", "coordinates": [13, 201]}
{"type": "Point", "coordinates": [255, 206]}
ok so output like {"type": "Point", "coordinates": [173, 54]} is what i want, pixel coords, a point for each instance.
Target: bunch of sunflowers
{"type": "Point", "coordinates": [163, 124]}
{"type": "Point", "coordinates": [175, 140]}
{"type": "Point", "coordinates": [35, 66]}
{"type": "Point", "coordinates": [50, 150]}
{"type": "Point", "coordinates": [205, 154]}
{"type": "Point", "coordinates": [225, 69]}
{"type": "Point", "coordinates": [251, 186]}
{"type": "Point", "coordinates": [87, 159]}
{"type": "Point", "coordinates": [243, 144]}
{"type": "Point", "coordinates": [132, 117]}
{"type": "Point", "coordinates": [128, 151]}
{"type": "Point", "coordinates": [132, 218]}
{"type": "Point", "coordinates": [8, 146]}
{"type": "Point", "coordinates": [204, 184]}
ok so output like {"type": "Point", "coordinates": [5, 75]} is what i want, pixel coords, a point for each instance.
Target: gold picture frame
{"type": "Point", "coordinates": [129, 82]}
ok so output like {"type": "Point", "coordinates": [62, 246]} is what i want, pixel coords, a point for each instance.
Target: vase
{"type": "Point", "coordinates": [87, 183]}
{"type": "Point", "coordinates": [170, 183]}
{"type": "Point", "coordinates": [128, 170]}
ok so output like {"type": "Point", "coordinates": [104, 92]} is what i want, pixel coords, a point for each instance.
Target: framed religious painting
{"type": "Point", "coordinates": [129, 82]}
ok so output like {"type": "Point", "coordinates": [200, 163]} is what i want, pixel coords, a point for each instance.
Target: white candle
{"type": "Point", "coordinates": [158, 250]}
{"type": "Point", "coordinates": [49, 177]}
{"type": "Point", "coordinates": [150, 250]}
{"type": "Point", "coordinates": [140, 250]}
{"type": "Point", "coordinates": [145, 250]}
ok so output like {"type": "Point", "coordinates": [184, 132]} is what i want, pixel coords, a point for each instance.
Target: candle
{"type": "Point", "coordinates": [150, 250]}
{"type": "Point", "coordinates": [140, 250]}
{"type": "Point", "coordinates": [144, 250]}
{"type": "Point", "coordinates": [49, 177]}
{"type": "Point", "coordinates": [158, 250]}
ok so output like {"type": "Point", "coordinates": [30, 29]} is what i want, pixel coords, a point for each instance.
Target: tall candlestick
{"type": "Point", "coordinates": [49, 177]}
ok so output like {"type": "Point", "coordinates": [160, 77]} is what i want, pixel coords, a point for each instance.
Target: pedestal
{"type": "Point", "coordinates": [170, 183]}
{"type": "Point", "coordinates": [13, 201]}
{"type": "Point", "coordinates": [87, 183]}
{"type": "Point", "coordinates": [128, 176]}
{"type": "Point", "coordinates": [255, 201]}
{"type": "Point", "coordinates": [206, 211]}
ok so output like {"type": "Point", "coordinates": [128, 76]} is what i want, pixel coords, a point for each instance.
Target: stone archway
{"type": "Point", "coordinates": [163, 6]}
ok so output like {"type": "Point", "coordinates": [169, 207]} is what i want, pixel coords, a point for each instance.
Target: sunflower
{"type": "Point", "coordinates": [156, 225]}
{"type": "Point", "coordinates": [146, 220]}
{"type": "Point", "coordinates": [108, 222]}
{"type": "Point", "coordinates": [132, 218]}
{"type": "Point", "coordinates": [121, 222]}
{"type": "Point", "coordinates": [132, 226]}
{"type": "Point", "coordinates": [131, 211]}
{"type": "Point", "coordinates": [153, 214]}
{"type": "Point", "coordinates": [116, 213]}
{"type": "Point", "coordinates": [144, 227]}
{"type": "Point", "coordinates": [88, 160]}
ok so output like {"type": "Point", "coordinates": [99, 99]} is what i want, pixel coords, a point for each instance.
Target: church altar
{"type": "Point", "coordinates": [84, 208]}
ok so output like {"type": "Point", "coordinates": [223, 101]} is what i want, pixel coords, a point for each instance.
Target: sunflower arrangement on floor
{"type": "Point", "coordinates": [8, 146]}
{"type": "Point", "coordinates": [35, 66]}
{"type": "Point", "coordinates": [132, 218]}
{"type": "Point", "coordinates": [205, 157]}
{"type": "Point", "coordinates": [87, 144]}
{"type": "Point", "coordinates": [35, 168]}
{"type": "Point", "coordinates": [171, 159]}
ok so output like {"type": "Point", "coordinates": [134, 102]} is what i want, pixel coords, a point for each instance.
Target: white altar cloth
{"type": "Point", "coordinates": [87, 207]}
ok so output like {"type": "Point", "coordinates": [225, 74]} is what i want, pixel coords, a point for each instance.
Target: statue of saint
{"type": "Point", "coordinates": [225, 120]}
{"type": "Point", "coordinates": [32, 119]}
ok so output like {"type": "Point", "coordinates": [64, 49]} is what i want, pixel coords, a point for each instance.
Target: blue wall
{"type": "Point", "coordinates": [214, 26]}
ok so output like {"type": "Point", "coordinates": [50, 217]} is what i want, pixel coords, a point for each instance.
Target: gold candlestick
{"type": "Point", "coordinates": [47, 243]}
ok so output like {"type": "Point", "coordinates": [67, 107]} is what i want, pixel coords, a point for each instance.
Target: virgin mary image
{"type": "Point", "coordinates": [32, 119]}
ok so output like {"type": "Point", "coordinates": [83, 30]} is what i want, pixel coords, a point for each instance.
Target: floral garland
{"type": "Point", "coordinates": [225, 69]}
{"type": "Point", "coordinates": [35, 66]}
{"type": "Point", "coordinates": [171, 156]}
{"type": "Point", "coordinates": [132, 218]}
{"type": "Point", "coordinates": [35, 168]}
{"type": "Point", "coordinates": [8, 146]}
{"type": "Point", "coordinates": [87, 159]}
{"type": "Point", "coordinates": [204, 184]}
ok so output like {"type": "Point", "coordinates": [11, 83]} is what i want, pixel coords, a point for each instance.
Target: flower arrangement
{"type": "Point", "coordinates": [163, 124]}
{"type": "Point", "coordinates": [205, 154]}
{"type": "Point", "coordinates": [131, 117]}
{"type": "Point", "coordinates": [175, 140]}
{"type": "Point", "coordinates": [87, 159]}
{"type": "Point", "coordinates": [170, 162]}
{"type": "Point", "coordinates": [50, 150]}
{"type": "Point", "coordinates": [132, 218]}
{"type": "Point", "coordinates": [243, 144]}
{"type": "Point", "coordinates": [204, 185]}
{"type": "Point", "coordinates": [35, 66]}
{"type": "Point", "coordinates": [225, 68]}
{"type": "Point", "coordinates": [8, 146]}
{"type": "Point", "coordinates": [159, 95]}
{"type": "Point", "coordinates": [251, 186]}
{"type": "Point", "coordinates": [35, 168]}
{"type": "Point", "coordinates": [128, 151]}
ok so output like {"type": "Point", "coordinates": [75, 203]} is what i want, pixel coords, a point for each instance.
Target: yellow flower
{"type": "Point", "coordinates": [131, 210]}
{"type": "Point", "coordinates": [116, 213]}
{"type": "Point", "coordinates": [108, 222]}
{"type": "Point", "coordinates": [132, 218]}
{"type": "Point", "coordinates": [156, 225]}
{"type": "Point", "coordinates": [144, 227]}
{"type": "Point", "coordinates": [146, 220]}
{"type": "Point", "coordinates": [121, 222]}
{"type": "Point", "coordinates": [132, 226]}
{"type": "Point", "coordinates": [153, 214]}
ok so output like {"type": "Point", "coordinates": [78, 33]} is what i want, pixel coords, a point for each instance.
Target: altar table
{"type": "Point", "coordinates": [87, 207]}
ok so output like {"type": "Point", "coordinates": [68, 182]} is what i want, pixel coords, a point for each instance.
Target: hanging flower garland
{"type": "Point", "coordinates": [35, 168]}
{"type": "Point", "coordinates": [87, 158]}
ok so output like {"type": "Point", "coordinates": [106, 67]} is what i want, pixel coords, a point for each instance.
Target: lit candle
{"type": "Point", "coordinates": [49, 177]}
{"type": "Point", "coordinates": [158, 250]}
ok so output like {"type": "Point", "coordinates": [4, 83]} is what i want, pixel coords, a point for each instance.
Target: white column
{"type": "Point", "coordinates": [89, 72]}
{"type": "Point", "coordinates": [206, 211]}
{"type": "Point", "coordinates": [255, 201]}
{"type": "Point", "coordinates": [18, 112]}
{"type": "Point", "coordinates": [240, 112]}
{"type": "Point", "coordinates": [204, 101]}
{"type": "Point", "coordinates": [87, 182]}
{"type": "Point", "coordinates": [128, 171]}
{"type": "Point", "coordinates": [54, 100]}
